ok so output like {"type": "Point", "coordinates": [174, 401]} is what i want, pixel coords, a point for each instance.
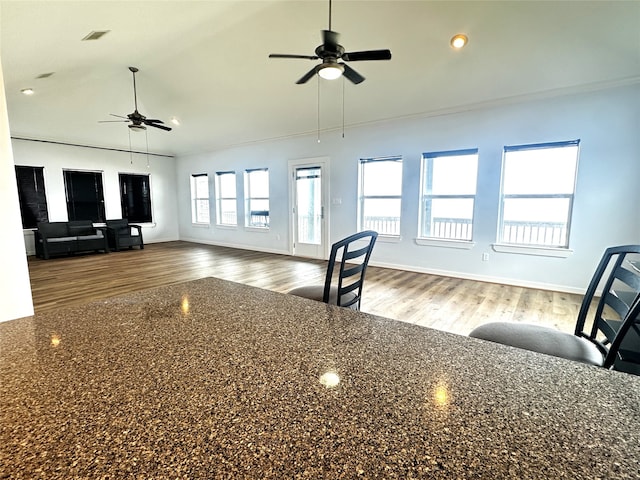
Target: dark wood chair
{"type": "Point", "coordinates": [346, 289]}
{"type": "Point", "coordinates": [595, 339]}
{"type": "Point", "coordinates": [122, 234]}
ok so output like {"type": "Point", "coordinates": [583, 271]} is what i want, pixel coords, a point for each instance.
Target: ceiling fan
{"type": "Point", "coordinates": [330, 52]}
{"type": "Point", "coordinates": [137, 120]}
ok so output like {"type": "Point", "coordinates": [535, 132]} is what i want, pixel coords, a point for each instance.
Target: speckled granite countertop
{"type": "Point", "coordinates": [212, 379]}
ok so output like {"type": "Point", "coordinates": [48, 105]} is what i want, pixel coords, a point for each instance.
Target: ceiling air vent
{"type": "Point", "coordinates": [96, 35]}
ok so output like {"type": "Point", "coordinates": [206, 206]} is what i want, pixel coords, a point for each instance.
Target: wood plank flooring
{"type": "Point", "coordinates": [449, 304]}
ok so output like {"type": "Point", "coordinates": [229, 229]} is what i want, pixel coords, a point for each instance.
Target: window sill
{"type": "Point", "coordinates": [226, 227]}
{"type": "Point", "coordinates": [257, 229]}
{"type": "Point", "coordinates": [532, 250]}
{"type": "Point", "coordinates": [446, 243]}
{"type": "Point", "coordinates": [200, 225]}
{"type": "Point", "coordinates": [389, 238]}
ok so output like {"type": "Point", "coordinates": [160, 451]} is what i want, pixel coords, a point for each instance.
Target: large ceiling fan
{"type": "Point", "coordinates": [136, 119]}
{"type": "Point", "coordinates": [330, 52]}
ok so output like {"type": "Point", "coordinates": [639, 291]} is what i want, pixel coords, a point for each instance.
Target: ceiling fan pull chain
{"type": "Point", "coordinates": [146, 137]}
{"type": "Point", "coordinates": [130, 152]}
{"type": "Point", "coordinates": [342, 107]}
{"type": "Point", "coordinates": [318, 79]}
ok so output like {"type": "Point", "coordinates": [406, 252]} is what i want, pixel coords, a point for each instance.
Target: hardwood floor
{"type": "Point", "coordinates": [444, 303]}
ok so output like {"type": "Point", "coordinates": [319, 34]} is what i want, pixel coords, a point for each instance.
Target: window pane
{"type": "Point", "coordinates": [259, 183]}
{"type": "Point", "coordinates": [200, 199]}
{"type": "Point", "coordinates": [228, 213]}
{"type": "Point", "coordinates": [382, 178]}
{"type": "Point", "coordinates": [540, 171]}
{"type": "Point", "coordinates": [536, 221]}
{"type": "Point", "coordinates": [227, 185]}
{"type": "Point", "coordinates": [202, 211]}
{"type": "Point", "coordinates": [455, 175]}
{"type": "Point", "coordinates": [449, 218]}
{"type": "Point", "coordinates": [201, 186]}
{"type": "Point", "coordinates": [382, 215]}
{"type": "Point", "coordinates": [257, 198]}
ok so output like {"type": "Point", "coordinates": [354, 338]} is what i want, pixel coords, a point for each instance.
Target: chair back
{"type": "Point", "coordinates": [120, 225]}
{"type": "Point", "coordinates": [624, 351]}
{"type": "Point", "coordinates": [354, 251]}
{"type": "Point", "coordinates": [618, 277]}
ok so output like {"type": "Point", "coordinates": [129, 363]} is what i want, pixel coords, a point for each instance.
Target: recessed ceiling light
{"type": "Point", "coordinates": [458, 41]}
{"type": "Point", "coordinates": [175, 121]}
{"type": "Point", "coordinates": [27, 91]}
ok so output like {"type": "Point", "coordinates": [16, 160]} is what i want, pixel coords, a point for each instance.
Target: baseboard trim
{"type": "Point", "coordinates": [235, 245]}
{"type": "Point", "coordinates": [483, 278]}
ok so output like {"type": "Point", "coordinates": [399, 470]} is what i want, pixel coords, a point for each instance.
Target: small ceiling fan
{"type": "Point", "coordinates": [330, 52]}
{"type": "Point", "coordinates": [137, 120]}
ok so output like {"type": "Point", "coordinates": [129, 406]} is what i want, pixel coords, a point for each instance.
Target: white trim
{"type": "Point", "coordinates": [445, 242]}
{"type": "Point", "coordinates": [256, 229]}
{"type": "Point", "coordinates": [482, 278]}
{"type": "Point", "coordinates": [201, 225]}
{"type": "Point", "coordinates": [225, 226]}
{"type": "Point", "coordinates": [532, 250]}
{"type": "Point", "coordinates": [389, 238]}
{"type": "Point", "coordinates": [235, 245]}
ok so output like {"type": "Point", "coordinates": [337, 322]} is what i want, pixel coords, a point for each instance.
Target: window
{"type": "Point", "coordinates": [85, 195]}
{"type": "Point", "coordinates": [448, 194]}
{"type": "Point", "coordinates": [226, 204]}
{"type": "Point", "coordinates": [32, 195]}
{"type": "Point", "coordinates": [256, 189]}
{"type": "Point", "coordinates": [200, 198]}
{"type": "Point", "coordinates": [380, 195]}
{"type": "Point", "coordinates": [538, 184]}
{"type": "Point", "coordinates": [135, 198]}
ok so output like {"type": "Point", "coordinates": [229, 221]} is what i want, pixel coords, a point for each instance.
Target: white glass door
{"type": "Point", "coordinates": [308, 210]}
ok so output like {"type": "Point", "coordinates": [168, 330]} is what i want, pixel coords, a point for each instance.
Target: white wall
{"type": "Point", "coordinates": [606, 203]}
{"type": "Point", "coordinates": [15, 288]}
{"type": "Point", "coordinates": [55, 158]}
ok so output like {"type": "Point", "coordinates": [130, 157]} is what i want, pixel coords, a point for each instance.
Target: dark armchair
{"type": "Point", "coordinates": [122, 234]}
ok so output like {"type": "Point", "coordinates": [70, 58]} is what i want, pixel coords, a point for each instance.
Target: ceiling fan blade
{"type": "Point", "coordinates": [367, 55]}
{"type": "Point", "coordinates": [152, 120]}
{"type": "Point", "coordinates": [161, 127]}
{"type": "Point", "coordinates": [308, 76]}
{"type": "Point", "coordinates": [286, 55]}
{"type": "Point", "coordinates": [330, 40]}
{"type": "Point", "coordinates": [113, 121]}
{"type": "Point", "coordinates": [119, 116]}
{"type": "Point", "coordinates": [352, 75]}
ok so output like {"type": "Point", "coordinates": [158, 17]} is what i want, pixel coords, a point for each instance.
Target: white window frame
{"type": "Point", "coordinates": [197, 197]}
{"type": "Point", "coordinates": [220, 197]}
{"type": "Point", "coordinates": [362, 222]}
{"type": "Point", "coordinates": [252, 220]}
{"type": "Point", "coordinates": [451, 231]}
{"type": "Point", "coordinates": [548, 248]}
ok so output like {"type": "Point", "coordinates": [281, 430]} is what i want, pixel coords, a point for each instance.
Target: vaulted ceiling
{"type": "Point", "coordinates": [206, 63]}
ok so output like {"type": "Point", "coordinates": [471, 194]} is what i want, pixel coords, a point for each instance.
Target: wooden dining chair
{"type": "Point", "coordinates": [345, 290]}
{"type": "Point", "coordinates": [595, 339]}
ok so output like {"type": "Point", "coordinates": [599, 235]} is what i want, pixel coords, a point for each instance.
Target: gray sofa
{"type": "Point", "coordinates": [65, 238]}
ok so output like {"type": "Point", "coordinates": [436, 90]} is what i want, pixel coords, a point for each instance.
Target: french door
{"type": "Point", "coordinates": [309, 216]}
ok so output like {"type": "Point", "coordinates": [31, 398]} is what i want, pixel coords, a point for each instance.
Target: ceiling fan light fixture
{"type": "Point", "coordinates": [331, 71]}
{"type": "Point", "coordinates": [458, 41]}
{"type": "Point", "coordinates": [137, 128]}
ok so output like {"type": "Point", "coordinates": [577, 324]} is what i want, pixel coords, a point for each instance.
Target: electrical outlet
{"type": "Point", "coordinates": [485, 257]}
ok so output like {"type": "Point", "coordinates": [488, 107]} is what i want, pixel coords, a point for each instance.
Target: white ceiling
{"type": "Point", "coordinates": [206, 63]}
